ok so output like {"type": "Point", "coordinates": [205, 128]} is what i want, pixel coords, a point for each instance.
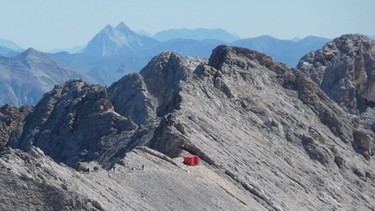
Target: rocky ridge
{"type": "Point", "coordinates": [268, 137]}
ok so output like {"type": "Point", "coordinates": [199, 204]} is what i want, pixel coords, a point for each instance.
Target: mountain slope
{"type": "Point", "coordinates": [28, 75]}
{"type": "Point", "coordinates": [268, 138]}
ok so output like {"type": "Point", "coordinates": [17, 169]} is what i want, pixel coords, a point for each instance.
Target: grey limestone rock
{"type": "Point", "coordinates": [74, 122]}
{"type": "Point", "coordinates": [344, 69]}
{"type": "Point", "coordinates": [10, 118]}
{"type": "Point", "coordinates": [267, 136]}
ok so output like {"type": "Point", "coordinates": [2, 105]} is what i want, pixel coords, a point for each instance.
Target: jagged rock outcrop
{"type": "Point", "coordinates": [268, 137]}
{"type": "Point", "coordinates": [152, 92]}
{"type": "Point", "coordinates": [344, 69]}
{"type": "Point", "coordinates": [131, 98]}
{"type": "Point", "coordinates": [74, 122]}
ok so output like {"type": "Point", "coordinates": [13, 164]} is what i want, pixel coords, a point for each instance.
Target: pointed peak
{"type": "Point", "coordinates": [30, 51]}
{"type": "Point", "coordinates": [107, 28]}
{"type": "Point", "coordinates": [122, 27]}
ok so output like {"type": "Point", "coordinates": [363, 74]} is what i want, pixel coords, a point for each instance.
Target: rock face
{"type": "Point", "coordinates": [72, 123]}
{"type": "Point", "coordinates": [268, 138]}
{"type": "Point", "coordinates": [24, 78]}
{"type": "Point", "coordinates": [10, 118]}
{"type": "Point", "coordinates": [344, 69]}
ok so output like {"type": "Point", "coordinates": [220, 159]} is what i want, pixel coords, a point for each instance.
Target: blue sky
{"type": "Point", "coordinates": [49, 24]}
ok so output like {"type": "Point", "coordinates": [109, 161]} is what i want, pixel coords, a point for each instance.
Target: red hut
{"type": "Point", "coordinates": [191, 160]}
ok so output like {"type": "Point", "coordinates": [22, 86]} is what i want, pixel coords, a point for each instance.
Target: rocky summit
{"type": "Point", "coordinates": [268, 138]}
{"type": "Point", "coordinates": [344, 69]}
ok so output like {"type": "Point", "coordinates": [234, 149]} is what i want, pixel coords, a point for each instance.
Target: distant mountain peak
{"type": "Point", "coordinates": [30, 52]}
{"type": "Point", "coordinates": [108, 27]}
{"type": "Point", "coordinates": [117, 40]}
{"type": "Point", "coordinates": [122, 27]}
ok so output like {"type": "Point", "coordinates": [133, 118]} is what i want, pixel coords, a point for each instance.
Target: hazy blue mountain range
{"type": "Point", "coordinates": [9, 48]}
{"type": "Point", "coordinates": [186, 47]}
{"type": "Point", "coordinates": [24, 78]}
{"type": "Point", "coordinates": [10, 44]}
{"type": "Point", "coordinates": [196, 34]}
{"type": "Point", "coordinates": [116, 49]}
{"type": "Point", "coordinates": [76, 49]}
{"type": "Point", "coordinates": [4, 51]}
{"type": "Point", "coordinates": [286, 51]}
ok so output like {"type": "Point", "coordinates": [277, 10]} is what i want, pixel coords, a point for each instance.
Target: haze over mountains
{"type": "Point", "coordinates": [269, 137]}
{"type": "Point", "coordinates": [196, 34]}
{"type": "Point", "coordinates": [10, 45]}
{"type": "Point", "coordinates": [118, 50]}
{"type": "Point", "coordinates": [9, 48]}
{"type": "Point", "coordinates": [112, 44]}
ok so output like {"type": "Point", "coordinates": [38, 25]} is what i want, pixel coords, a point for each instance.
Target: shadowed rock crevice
{"type": "Point", "coordinates": [10, 118]}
